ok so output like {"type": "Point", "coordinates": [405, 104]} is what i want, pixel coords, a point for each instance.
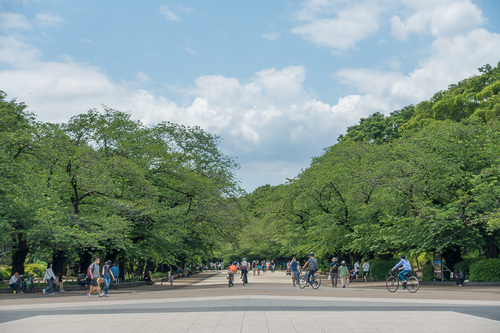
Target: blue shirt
{"type": "Point", "coordinates": [335, 267]}
{"type": "Point", "coordinates": [405, 263]}
{"type": "Point", "coordinates": [294, 266]}
{"type": "Point", "coordinates": [115, 271]}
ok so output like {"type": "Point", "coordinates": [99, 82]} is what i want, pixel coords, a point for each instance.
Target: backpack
{"type": "Point", "coordinates": [88, 277]}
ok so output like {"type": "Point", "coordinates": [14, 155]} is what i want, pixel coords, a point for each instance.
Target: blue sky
{"type": "Point", "coordinates": [277, 80]}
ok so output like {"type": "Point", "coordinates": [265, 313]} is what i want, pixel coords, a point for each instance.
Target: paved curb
{"type": "Point", "coordinates": [122, 285]}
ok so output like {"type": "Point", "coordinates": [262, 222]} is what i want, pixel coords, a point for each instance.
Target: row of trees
{"type": "Point", "coordinates": [105, 184]}
{"type": "Point", "coordinates": [424, 179]}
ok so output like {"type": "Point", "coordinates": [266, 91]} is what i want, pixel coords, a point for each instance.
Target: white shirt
{"type": "Point", "coordinates": [13, 279]}
{"type": "Point", "coordinates": [356, 267]}
{"type": "Point", "coordinates": [366, 267]}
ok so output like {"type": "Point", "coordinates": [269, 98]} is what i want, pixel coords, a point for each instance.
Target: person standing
{"type": "Point", "coordinates": [334, 272]}
{"type": "Point", "coordinates": [116, 273]}
{"type": "Point", "coordinates": [93, 271]}
{"type": "Point", "coordinates": [107, 275]}
{"type": "Point", "coordinates": [49, 277]}
{"type": "Point", "coordinates": [294, 270]}
{"type": "Point", "coordinates": [344, 274]}
{"type": "Point", "coordinates": [366, 269]}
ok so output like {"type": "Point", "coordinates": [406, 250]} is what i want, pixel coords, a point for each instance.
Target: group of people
{"type": "Point", "coordinates": [97, 278]}
{"type": "Point", "coordinates": [49, 277]}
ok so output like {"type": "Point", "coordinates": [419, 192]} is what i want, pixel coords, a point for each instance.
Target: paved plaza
{"type": "Point", "coordinates": [269, 303]}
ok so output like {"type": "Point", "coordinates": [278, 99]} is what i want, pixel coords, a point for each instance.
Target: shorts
{"type": "Point", "coordinates": [365, 273]}
{"type": "Point", "coordinates": [295, 274]}
{"type": "Point", "coordinates": [94, 282]}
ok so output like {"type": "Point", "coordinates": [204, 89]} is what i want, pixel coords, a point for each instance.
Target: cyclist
{"type": "Point", "coordinates": [231, 270]}
{"type": "Point", "coordinates": [244, 270]}
{"type": "Point", "coordinates": [406, 270]}
{"type": "Point", "coordinates": [313, 267]}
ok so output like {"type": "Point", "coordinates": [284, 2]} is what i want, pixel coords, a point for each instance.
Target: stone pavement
{"type": "Point", "coordinates": [204, 303]}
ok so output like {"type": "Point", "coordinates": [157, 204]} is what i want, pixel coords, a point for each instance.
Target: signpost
{"type": "Point", "coordinates": [437, 262]}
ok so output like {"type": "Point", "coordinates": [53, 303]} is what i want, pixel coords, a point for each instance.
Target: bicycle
{"type": "Point", "coordinates": [26, 286]}
{"type": "Point", "coordinates": [314, 282]}
{"type": "Point", "coordinates": [230, 280]}
{"type": "Point", "coordinates": [393, 281]}
{"type": "Point", "coordinates": [244, 277]}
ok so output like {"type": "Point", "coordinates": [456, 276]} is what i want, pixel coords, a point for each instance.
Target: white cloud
{"type": "Point", "coordinates": [11, 21]}
{"type": "Point", "coordinates": [48, 20]}
{"type": "Point", "coordinates": [272, 36]}
{"type": "Point", "coordinates": [169, 15]}
{"type": "Point", "coordinates": [450, 61]}
{"type": "Point", "coordinates": [354, 21]}
{"type": "Point", "coordinates": [444, 18]}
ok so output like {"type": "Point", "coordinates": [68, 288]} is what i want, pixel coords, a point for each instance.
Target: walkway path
{"type": "Point", "coordinates": [204, 303]}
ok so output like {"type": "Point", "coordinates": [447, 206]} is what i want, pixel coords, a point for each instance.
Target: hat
{"type": "Point", "coordinates": [311, 254]}
{"type": "Point", "coordinates": [343, 262]}
{"type": "Point", "coordinates": [334, 259]}
{"type": "Point", "coordinates": [108, 262]}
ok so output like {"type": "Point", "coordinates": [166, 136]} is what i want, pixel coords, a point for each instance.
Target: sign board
{"type": "Point", "coordinates": [437, 262]}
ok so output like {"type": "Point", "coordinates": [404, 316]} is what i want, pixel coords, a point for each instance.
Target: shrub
{"type": "Point", "coordinates": [485, 270]}
{"type": "Point", "coordinates": [36, 268]}
{"type": "Point", "coordinates": [428, 272]}
{"type": "Point", "coordinates": [379, 269]}
{"type": "Point", "coordinates": [464, 266]}
{"type": "Point", "coordinates": [5, 273]}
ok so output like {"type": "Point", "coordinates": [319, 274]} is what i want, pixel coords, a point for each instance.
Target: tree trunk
{"type": "Point", "coordinates": [19, 254]}
{"type": "Point", "coordinates": [140, 267]}
{"type": "Point", "coordinates": [150, 266]}
{"type": "Point", "coordinates": [491, 249]}
{"type": "Point", "coordinates": [85, 260]}
{"type": "Point", "coordinates": [59, 262]}
{"type": "Point", "coordinates": [452, 256]}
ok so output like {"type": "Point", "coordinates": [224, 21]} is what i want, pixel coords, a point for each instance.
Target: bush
{"type": "Point", "coordinates": [485, 270]}
{"type": "Point", "coordinates": [464, 266]}
{"type": "Point", "coordinates": [5, 273]}
{"type": "Point", "coordinates": [36, 268]}
{"type": "Point", "coordinates": [379, 269]}
{"type": "Point", "coordinates": [428, 272]}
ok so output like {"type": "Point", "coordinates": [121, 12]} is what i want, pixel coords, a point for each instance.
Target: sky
{"type": "Point", "coordinates": [278, 81]}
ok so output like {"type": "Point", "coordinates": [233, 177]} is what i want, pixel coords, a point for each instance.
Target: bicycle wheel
{"type": "Point", "coordinates": [31, 288]}
{"type": "Point", "coordinates": [412, 284]}
{"type": "Point", "coordinates": [302, 281]}
{"type": "Point", "coordinates": [392, 284]}
{"type": "Point", "coordinates": [316, 283]}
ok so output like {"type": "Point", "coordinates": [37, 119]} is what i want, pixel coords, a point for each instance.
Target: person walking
{"type": "Point", "coordinates": [49, 277]}
{"type": "Point", "coordinates": [116, 273]}
{"type": "Point", "coordinates": [294, 270]}
{"type": "Point", "coordinates": [366, 270]}
{"type": "Point", "coordinates": [356, 271]}
{"type": "Point", "coordinates": [107, 274]}
{"type": "Point", "coordinates": [334, 272]}
{"type": "Point", "coordinates": [93, 272]}
{"type": "Point", "coordinates": [344, 274]}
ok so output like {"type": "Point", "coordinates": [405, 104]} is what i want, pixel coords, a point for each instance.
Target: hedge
{"type": "Point", "coordinates": [428, 273]}
{"type": "Point", "coordinates": [486, 270]}
{"type": "Point", "coordinates": [379, 269]}
{"type": "Point", "coordinates": [465, 265]}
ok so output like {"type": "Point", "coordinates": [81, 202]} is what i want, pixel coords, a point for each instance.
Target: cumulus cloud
{"type": "Point", "coordinates": [352, 22]}
{"type": "Point", "coordinates": [444, 18]}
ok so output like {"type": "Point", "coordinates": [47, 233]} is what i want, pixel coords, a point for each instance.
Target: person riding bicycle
{"type": "Point", "coordinates": [231, 270]}
{"type": "Point", "coordinates": [244, 266]}
{"type": "Point", "coordinates": [313, 267]}
{"type": "Point", "coordinates": [406, 269]}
